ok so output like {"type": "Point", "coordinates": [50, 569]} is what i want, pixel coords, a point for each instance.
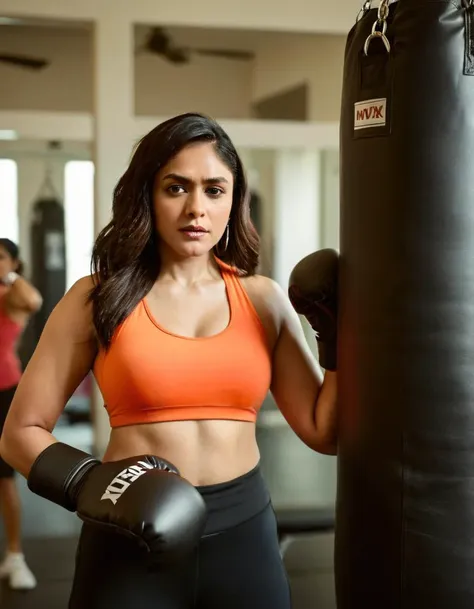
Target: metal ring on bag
{"type": "Point", "coordinates": [384, 27]}
{"type": "Point", "coordinates": [365, 9]}
{"type": "Point", "coordinates": [379, 29]}
{"type": "Point", "coordinates": [382, 37]}
{"type": "Point", "coordinates": [384, 11]}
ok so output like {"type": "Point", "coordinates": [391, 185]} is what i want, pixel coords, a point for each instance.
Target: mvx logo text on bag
{"type": "Point", "coordinates": [370, 113]}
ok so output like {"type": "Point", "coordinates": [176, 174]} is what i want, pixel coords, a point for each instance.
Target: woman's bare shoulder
{"type": "Point", "coordinates": [264, 287]}
{"type": "Point", "coordinates": [84, 284]}
{"type": "Point", "coordinates": [269, 300]}
{"type": "Point", "coordinates": [76, 306]}
{"type": "Point", "coordinates": [80, 290]}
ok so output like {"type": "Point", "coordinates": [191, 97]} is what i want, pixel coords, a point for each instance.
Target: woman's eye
{"type": "Point", "coordinates": [214, 192]}
{"type": "Point", "coordinates": [175, 189]}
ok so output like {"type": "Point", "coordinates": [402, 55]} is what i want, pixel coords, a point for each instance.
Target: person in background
{"type": "Point", "coordinates": [18, 301]}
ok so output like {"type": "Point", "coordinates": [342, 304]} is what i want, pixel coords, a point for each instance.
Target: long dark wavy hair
{"type": "Point", "coordinates": [125, 257]}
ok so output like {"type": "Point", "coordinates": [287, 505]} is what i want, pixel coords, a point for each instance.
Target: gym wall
{"type": "Point", "coordinates": [282, 62]}
{"type": "Point", "coordinates": [314, 60]}
{"type": "Point", "coordinates": [160, 88]}
{"type": "Point", "coordinates": [330, 199]}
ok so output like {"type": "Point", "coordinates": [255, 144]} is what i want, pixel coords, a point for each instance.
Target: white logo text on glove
{"type": "Point", "coordinates": [123, 480]}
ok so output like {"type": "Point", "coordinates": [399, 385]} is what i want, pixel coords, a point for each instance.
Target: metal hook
{"type": "Point", "coordinates": [381, 22]}
{"type": "Point", "coordinates": [365, 9]}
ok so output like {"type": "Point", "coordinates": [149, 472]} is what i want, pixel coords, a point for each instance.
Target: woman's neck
{"type": "Point", "coordinates": [188, 271]}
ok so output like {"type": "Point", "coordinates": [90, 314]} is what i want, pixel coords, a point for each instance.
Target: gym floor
{"type": "Point", "coordinates": [50, 533]}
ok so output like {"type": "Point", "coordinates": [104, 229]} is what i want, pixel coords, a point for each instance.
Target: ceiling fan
{"type": "Point", "coordinates": [159, 43]}
{"type": "Point", "coordinates": [23, 61]}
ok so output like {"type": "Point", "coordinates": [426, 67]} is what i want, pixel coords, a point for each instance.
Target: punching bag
{"type": "Point", "coordinates": [48, 257]}
{"type": "Point", "coordinates": [256, 210]}
{"type": "Point", "coordinates": [405, 504]}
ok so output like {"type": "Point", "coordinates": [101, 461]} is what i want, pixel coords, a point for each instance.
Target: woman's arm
{"type": "Point", "coordinates": [306, 399]}
{"type": "Point", "coordinates": [63, 357]}
{"type": "Point", "coordinates": [22, 295]}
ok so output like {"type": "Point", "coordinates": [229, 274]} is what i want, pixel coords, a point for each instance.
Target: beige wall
{"type": "Point", "coordinates": [297, 59]}
{"type": "Point", "coordinates": [330, 199]}
{"type": "Point", "coordinates": [322, 16]}
{"type": "Point", "coordinates": [218, 87]}
{"type": "Point", "coordinates": [66, 85]}
{"type": "Point", "coordinates": [222, 88]}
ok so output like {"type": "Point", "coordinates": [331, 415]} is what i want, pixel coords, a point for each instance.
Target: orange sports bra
{"type": "Point", "coordinates": [151, 375]}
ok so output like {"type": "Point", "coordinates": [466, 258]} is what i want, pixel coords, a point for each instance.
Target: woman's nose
{"type": "Point", "coordinates": [195, 204]}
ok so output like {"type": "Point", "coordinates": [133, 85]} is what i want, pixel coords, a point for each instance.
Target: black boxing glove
{"type": "Point", "coordinates": [313, 293]}
{"type": "Point", "coordinates": [142, 497]}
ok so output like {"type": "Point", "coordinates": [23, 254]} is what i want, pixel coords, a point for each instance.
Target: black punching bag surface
{"type": "Point", "coordinates": [48, 257]}
{"type": "Point", "coordinates": [405, 505]}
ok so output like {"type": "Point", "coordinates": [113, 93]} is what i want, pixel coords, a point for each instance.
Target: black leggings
{"type": "Point", "coordinates": [237, 564]}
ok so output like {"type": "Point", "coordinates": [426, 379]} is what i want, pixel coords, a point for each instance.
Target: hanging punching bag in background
{"type": "Point", "coordinates": [405, 508]}
{"type": "Point", "coordinates": [48, 257]}
{"type": "Point", "coordinates": [256, 210]}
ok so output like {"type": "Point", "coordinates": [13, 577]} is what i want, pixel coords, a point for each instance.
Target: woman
{"type": "Point", "coordinates": [184, 340]}
{"type": "Point", "coordinates": [18, 301]}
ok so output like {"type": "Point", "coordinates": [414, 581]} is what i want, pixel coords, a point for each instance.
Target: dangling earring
{"type": "Point", "coordinates": [226, 237]}
{"type": "Point", "coordinates": [217, 246]}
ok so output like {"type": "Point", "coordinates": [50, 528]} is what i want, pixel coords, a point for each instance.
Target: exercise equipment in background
{"type": "Point", "coordinates": [405, 507]}
{"type": "Point", "coordinates": [48, 261]}
{"type": "Point", "coordinates": [256, 210]}
{"type": "Point", "coordinates": [48, 255]}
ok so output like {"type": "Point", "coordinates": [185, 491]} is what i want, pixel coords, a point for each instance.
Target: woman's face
{"type": "Point", "coordinates": [7, 264]}
{"type": "Point", "coordinates": [192, 200]}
